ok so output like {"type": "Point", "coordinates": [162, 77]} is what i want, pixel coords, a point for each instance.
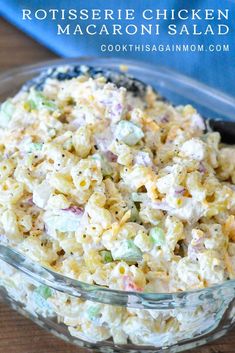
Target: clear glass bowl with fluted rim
{"type": "Point", "coordinates": [120, 321]}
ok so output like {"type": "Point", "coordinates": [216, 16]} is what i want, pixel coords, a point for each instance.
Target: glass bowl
{"type": "Point", "coordinates": [106, 320]}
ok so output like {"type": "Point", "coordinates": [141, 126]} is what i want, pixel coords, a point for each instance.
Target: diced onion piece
{"type": "Point", "coordinates": [157, 235]}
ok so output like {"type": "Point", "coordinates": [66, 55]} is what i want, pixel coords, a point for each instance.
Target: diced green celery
{"type": "Point", "coordinates": [29, 105]}
{"type": "Point", "coordinates": [38, 101]}
{"type": "Point", "coordinates": [157, 235]}
{"type": "Point", "coordinates": [106, 168]}
{"type": "Point", "coordinates": [128, 132]}
{"type": "Point", "coordinates": [44, 291]}
{"type": "Point", "coordinates": [127, 251]}
{"type": "Point", "coordinates": [92, 312]}
{"type": "Point", "coordinates": [139, 196]}
{"type": "Point", "coordinates": [106, 256]}
{"type": "Point", "coordinates": [40, 296]}
{"type": "Point", "coordinates": [6, 111]}
{"type": "Point", "coordinates": [50, 105]}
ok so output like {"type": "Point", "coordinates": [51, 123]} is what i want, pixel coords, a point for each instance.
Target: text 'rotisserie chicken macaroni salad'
{"type": "Point", "coordinates": [115, 189]}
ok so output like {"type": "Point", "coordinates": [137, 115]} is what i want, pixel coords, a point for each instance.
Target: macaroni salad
{"type": "Point", "coordinates": [117, 190]}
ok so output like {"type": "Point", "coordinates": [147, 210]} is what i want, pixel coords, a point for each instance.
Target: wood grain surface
{"type": "Point", "coordinates": [18, 334]}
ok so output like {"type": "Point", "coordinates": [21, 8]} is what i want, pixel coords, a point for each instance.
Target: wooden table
{"type": "Point", "coordinates": [17, 334]}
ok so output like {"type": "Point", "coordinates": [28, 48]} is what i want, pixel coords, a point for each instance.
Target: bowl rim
{"type": "Point", "coordinates": [118, 61]}
{"type": "Point", "coordinates": [219, 102]}
{"type": "Point", "coordinates": [101, 294]}
{"type": "Point", "coordinates": [96, 292]}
